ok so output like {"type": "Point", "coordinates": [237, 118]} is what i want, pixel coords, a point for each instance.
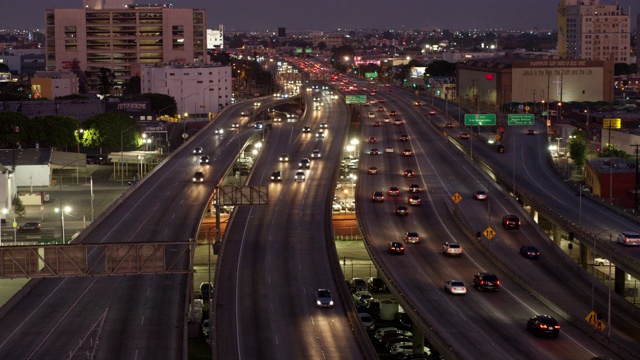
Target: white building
{"type": "Point", "coordinates": [215, 38]}
{"type": "Point", "coordinates": [200, 90]}
{"type": "Point", "coordinates": [590, 31]}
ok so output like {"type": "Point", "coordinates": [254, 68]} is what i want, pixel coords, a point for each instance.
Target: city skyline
{"type": "Point", "coordinates": [252, 15]}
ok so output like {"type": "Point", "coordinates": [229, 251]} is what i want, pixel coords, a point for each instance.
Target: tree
{"type": "Point", "coordinates": [53, 131]}
{"type": "Point", "coordinates": [19, 208]}
{"type": "Point", "coordinates": [105, 130]}
{"type": "Point", "coordinates": [8, 122]}
{"type": "Point", "coordinates": [322, 46]}
{"type": "Point", "coordinates": [236, 42]}
{"type": "Point", "coordinates": [223, 58]}
{"type": "Point", "coordinates": [610, 150]}
{"type": "Point", "coordinates": [578, 147]}
{"type": "Point", "coordinates": [162, 104]}
{"type": "Point", "coordinates": [441, 68]}
{"type": "Point", "coordinates": [132, 86]}
{"type": "Point", "coordinates": [106, 79]}
{"type": "Point", "coordinates": [82, 76]}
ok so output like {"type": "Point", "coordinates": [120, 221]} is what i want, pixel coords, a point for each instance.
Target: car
{"type": "Point", "coordinates": [372, 170]}
{"type": "Point", "coordinates": [198, 177]}
{"type": "Point", "coordinates": [530, 252]}
{"type": "Point", "coordinates": [411, 237]}
{"type": "Point", "coordinates": [397, 122]}
{"type": "Point", "coordinates": [455, 287]}
{"type": "Point", "coordinates": [464, 136]}
{"type": "Point", "coordinates": [380, 100]}
{"type": "Point", "coordinates": [386, 119]}
{"type": "Point", "coordinates": [389, 333]}
{"type": "Point", "coordinates": [300, 176]}
{"type": "Point", "coordinates": [283, 158]}
{"type": "Point", "coordinates": [204, 160]}
{"type": "Point", "coordinates": [451, 248]}
{"type": "Point", "coordinates": [315, 154]}
{"type": "Point", "coordinates": [377, 196]}
{"type": "Point", "coordinates": [372, 115]}
{"type": "Point", "coordinates": [407, 152]}
{"type": "Point", "coordinates": [358, 284]}
{"type": "Point", "coordinates": [500, 149]}
{"type": "Point", "coordinates": [29, 226]}
{"type": "Point", "coordinates": [543, 325]}
{"type": "Point", "coordinates": [244, 113]}
{"type": "Point", "coordinates": [367, 321]}
{"type": "Point", "coordinates": [376, 123]}
{"type": "Point", "coordinates": [381, 332]}
{"type": "Point", "coordinates": [397, 344]}
{"type": "Point", "coordinates": [448, 125]}
{"type": "Point", "coordinates": [416, 103]}
{"type": "Point", "coordinates": [376, 284]}
{"type": "Point", "coordinates": [372, 94]}
{"type": "Point", "coordinates": [486, 281]}
{"type": "Point", "coordinates": [393, 113]}
{"type": "Point", "coordinates": [306, 129]}
{"type": "Point", "coordinates": [408, 173]}
{"type": "Point", "coordinates": [256, 104]}
{"type": "Point", "coordinates": [276, 175]}
{"type": "Point", "coordinates": [235, 125]}
{"type": "Point", "coordinates": [402, 210]}
{"type": "Point", "coordinates": [205, 328]}
{"type": "Point", "coordinates": [324, 125]}
{"type": "Point", "coordinates": [205, 290]}
{"type": "Point", "coordinates": [511, 222]}
{"type": "Point", "coordinates": [324, 298]}
{"type": "Point", "coordinates": [372, 140]}
{"type": "Point", "coordinates": [320, 135]}
{"type": "Point", "coordinates": [404, 137]}
{"type": "Point", "coordinates": [388, 149]}
{"type": "Point", "coordinates": [531, 132]}
{"type": "Point", "coordinates": [629, 238]}
{"type": "Point", "coordinates": [414, 200]}
{"type": "Point", "coordinates": [601, 262]}
{"type": "Point", "coordinates": [393, 191]}
{"type": "Point", "coordinates": [395, 247]}
{"type": "Point", "coordinates": [380, 109]}
{"type": "Point", "coordinates": [219, 131]}
{"type": "Point", "coordinates": [374, 151]}
{"type": "Point", "coordinates": [414, 188]}
{"type": "Point", "coordinates": [258, 125]}
{"type": "Point", "coordinates": [480, 195]}
{"type": "Point", "coordinates": [432, 112]}
{"type": "Point", "coordinates": [305, 163]}
{"type": "Point", "coordinates": [198, 150]}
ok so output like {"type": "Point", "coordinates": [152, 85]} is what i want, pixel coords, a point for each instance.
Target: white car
{"type": "Point", "coordinates": [455, 287]}
{"type": "Point", "coordinates": [235, 125]}
{"type": "Point", "coordinates": [367, 321]}
{"type": "Point", "coordinates": [601, 262]}
{"type": "Point", "coordinates": [300, 176]}
{"type": "Point", "coordinates": [372, 115]}
{"type": "Point", "coordinates": [244, 113]}
{"type": "Point", "coordinates": [315, 154]}
{"type": "Point", "coordinates": [452, 248]}
{"type": "Point", "coordinates": [629, 238]}
{"type": "Point", "coordinates": [362, 297]}
{"type": "Point", "coordinates": [283, 158]}
{"type": "Point", "coordinates": [388, 149]}
{"type": "Point", "coordinates": [219, 131]}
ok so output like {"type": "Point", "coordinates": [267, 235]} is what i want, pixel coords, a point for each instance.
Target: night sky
{"type": "Point", "coordinates": [258, 15]}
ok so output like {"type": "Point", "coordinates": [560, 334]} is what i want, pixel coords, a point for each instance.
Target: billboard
{"type": "Point", "coordinates": [418, 71]}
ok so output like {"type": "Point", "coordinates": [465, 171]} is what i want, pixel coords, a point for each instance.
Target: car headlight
{"type": "Point", "coordinates": [331, 302]}
{"type": "Point", "coordinates": [318, 302]}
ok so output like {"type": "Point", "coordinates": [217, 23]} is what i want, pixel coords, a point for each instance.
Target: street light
{"type": "Point", "coordinates": [62, 211]}
{"type": "Point", "coordinates": [355, 143]}
{"type": "Point", "coordinates": [4, 211]}
{"type": "Point", "coordinates": [122, 155]}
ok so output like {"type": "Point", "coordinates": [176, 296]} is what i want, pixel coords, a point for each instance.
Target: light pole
{"type": "Point", "coordinates": [122, 155]}
{"type": "Point", "coordinates": [4, 212]}
{"type": "Point", "coordinates": [184, 108]}
{"type": "Point", "coordinates": [62, 211]}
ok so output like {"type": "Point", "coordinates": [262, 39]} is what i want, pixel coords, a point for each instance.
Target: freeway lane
{"type": "Point", "coordinates": [275, 257]}
{"type": "Point", "coordinates": [479, 324]}
{"type": "Point", "coordinates": [144, 314]}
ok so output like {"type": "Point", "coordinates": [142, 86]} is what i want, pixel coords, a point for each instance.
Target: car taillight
{"type": "Point", "coordinates": [543, 326]}
{"type": "Point", "coordinates": [498, 282]}
{"type": "Point", "coordinates": [481, 282]}
{"type": "Point", "coordinates": [556, 327]}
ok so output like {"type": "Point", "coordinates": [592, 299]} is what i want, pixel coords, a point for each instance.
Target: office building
{"type": "Point", "coordinates": [200, 90]}
{"type": "Point", "coordinates": [122, 38]}
{"type": "Point", "coordinates": [589, 30]}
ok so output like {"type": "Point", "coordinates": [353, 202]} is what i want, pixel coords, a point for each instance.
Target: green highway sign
{"type": "Point", "coordinates": [371, 75]}
{"type": "Point", "coordinates": [356, 99]}
{"type": "Point", "coordinates": [479, 119]}
{"type": "Point", "coordinates": [520, 119]}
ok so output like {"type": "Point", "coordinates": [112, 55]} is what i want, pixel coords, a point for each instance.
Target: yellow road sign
{"type": "Point", "coordinates": [489, 233]}
{"type": "Point", "coordinates": [599, 325]}
{"type": "Point", "coordinates": [456, 198]}
{"type": "Point", "coordinates": [612, 123]}
{"type": "Point", "coordinates": [592, 317]}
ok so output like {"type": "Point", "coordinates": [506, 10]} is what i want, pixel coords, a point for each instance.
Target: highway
{"type": "Point", "coordinates": [127, 315]}
{"type": "Point", "coordinates": [478, 324]}
{"type": "Point", "coordinates": [275, 257]}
